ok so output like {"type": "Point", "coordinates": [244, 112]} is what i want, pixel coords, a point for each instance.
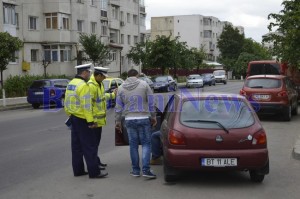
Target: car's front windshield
{"type": "Point", "coordinates": [160, 79]}
{"type": "Point", "coordinates": [219, 73]}
{"type": "Point", "coordinates": [106, 84]}
{"type": "Point", "coordinates": [230, 113]}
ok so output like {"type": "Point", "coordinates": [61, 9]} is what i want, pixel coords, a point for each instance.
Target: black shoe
{"type": "Point", "coordinates": [82, 174]}
{"type": "Point", "coordinates": [101, 168]}
{"type": "Point", "coordinates": [102, 164]}
{"type": "Point", "coordinates": [101, 175]}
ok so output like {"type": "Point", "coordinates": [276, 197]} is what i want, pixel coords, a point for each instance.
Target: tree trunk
{"type": "Point", "coordinates": [2, 82]}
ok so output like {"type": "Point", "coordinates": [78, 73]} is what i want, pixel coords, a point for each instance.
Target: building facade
{"type": "Point", "coordinates": [197, 30]}
{"type": "Point", "coordinates": [50, 31]}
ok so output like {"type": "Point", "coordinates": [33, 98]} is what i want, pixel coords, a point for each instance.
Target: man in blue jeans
{"type": "Point", "coordinates": [156, 149]}
{"type": "Point", "coordinates": [135, 101]}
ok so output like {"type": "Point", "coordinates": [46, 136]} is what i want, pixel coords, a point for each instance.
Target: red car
{"type": "Point", "coordinates": [212, 131]}
{"type": "Point", "coordinates": [271, 94]}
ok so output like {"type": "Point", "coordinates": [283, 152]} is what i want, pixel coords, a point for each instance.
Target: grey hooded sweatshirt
{"type": "Point", "coordinates": [135, 100]}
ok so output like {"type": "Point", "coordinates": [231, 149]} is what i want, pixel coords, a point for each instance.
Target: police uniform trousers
{"type": "Point", "coordinates": [98, 132]}
{"type": "Point", "coordinates": [83, 145]}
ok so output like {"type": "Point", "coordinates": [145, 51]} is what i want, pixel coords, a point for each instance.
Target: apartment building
{"type": "Point", "coordinates": [197, 30]}
{"type": "Point", "coordinates": [50, 31]}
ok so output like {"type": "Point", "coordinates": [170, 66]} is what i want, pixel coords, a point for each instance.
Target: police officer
{"type": "Point", "coordinates": [78, 107]}
{"type": "Point", "coordinates": [99, 98]}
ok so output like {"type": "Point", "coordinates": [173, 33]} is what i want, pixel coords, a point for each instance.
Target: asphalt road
{"type": "Point", "coordinates": [35, 163]}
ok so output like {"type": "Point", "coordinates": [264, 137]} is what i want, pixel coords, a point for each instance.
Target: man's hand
{"type": "Point", "coordinates": [119, 127]}
{"type": "Point", "coordinates": [93, 126]}
{"type": "Point", "coordinates": [153, 121]}
{"type": "Point", "coordinates": [115, 91]}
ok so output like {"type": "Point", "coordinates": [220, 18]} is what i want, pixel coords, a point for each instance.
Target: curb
{"type": "Point", "coordinates": [296, 149]}
{"type": "Point", "coordinates": [14, 107]}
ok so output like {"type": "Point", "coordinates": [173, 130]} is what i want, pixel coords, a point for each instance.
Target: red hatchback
{"type": "Point", "coordinates": [271, 94]}
{"type": "Point", "coordinates": [212, 131]}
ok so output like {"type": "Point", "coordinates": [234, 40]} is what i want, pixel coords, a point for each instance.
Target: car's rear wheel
{"type": "Point", "coordinates": [295, 109]}
{"type": "Point", "coordinates": [287, 114]}
{"type": "Point", "coordinates": [169, 173]}
{"type": "Point", "coordinates": [256, 177]}
{"type": "Point", "coordinates": [35, 105]}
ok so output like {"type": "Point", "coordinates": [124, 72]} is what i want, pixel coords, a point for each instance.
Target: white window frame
{"type": "Point", "coordinates": [94, 27]}
{"type": "Point", "coordinates": [80, 25]}
{"type": "Point", "coordinates": [51, 17]}
{"type": "Point", "coordinates": [128, 39]}
{"type": "Point", "coordinates": [34, 55]}
{"type": "Point", "coordinates": [9, 14]}
{"type": "Point", "coordinates": [32, 23]}
{"type": "Point", "coordinates": [128, 18]}
{"type": "Point", "coordinates": [104, 28]}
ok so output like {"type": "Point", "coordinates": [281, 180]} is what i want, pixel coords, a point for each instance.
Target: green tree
{"type": "Point", "coordinates": [199, 56]}
{"type": "Point", "coordinates": [230, 45]}
{"type": "Point", "coordinates": [287, 41]}
{"type": "Point", "coordinates": [251, 51]}
{"type": "Point", "coordinates": [139, 54]}
{"type": "Point", "coordinates": [8, 46]}
{"type": "Point", "coordinates": [97, 52]}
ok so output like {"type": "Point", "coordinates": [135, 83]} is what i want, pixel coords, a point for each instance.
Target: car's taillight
{"type": "Point", "coordinates": [282, 94]}
{"type": "Point", "coordinates": [242, 92]}
{"type": "Point", "coordinates": [259, 138]}
{"type": "Point", "coordinates": [52, 92]}
{"type": "Point", "coordinates": [176, 138]}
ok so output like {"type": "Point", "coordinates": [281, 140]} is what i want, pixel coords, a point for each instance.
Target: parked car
{"type": "Point", "coordinates": [111, 83]}
{"type": "Point", "coordinates": [209, 79]}
{"type": "Point", "coordinates": [194, 80]}
{"type": "Point", "coordinates": [216, 132]}
{"type": "Point", "coordinates": [271, 94]}
{"type": "Point", "coordinates": [164, 83]}
{"type": "Point", "coordinates": [149, 81]}
{"type": "Point", "coordinates": [220, 76]}
{"type": "Point", "coordinates": [47, 92]}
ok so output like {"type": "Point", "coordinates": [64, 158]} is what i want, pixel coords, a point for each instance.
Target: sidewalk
{"type": "Point", "coordinates": [14, 103]}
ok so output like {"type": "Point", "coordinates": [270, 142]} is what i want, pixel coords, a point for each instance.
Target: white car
{"type": "Point", "coordinates": [194, 81]}
{"type": "Point", "coordinates": [220, 76]}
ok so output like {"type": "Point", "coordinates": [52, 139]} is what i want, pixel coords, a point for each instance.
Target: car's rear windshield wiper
{"type": "Point", "coordinates": [256, 87]}
{"type": "Point", "coordinates": [209, 121]}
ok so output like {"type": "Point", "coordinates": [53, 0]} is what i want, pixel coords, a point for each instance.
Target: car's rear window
{"type": "Point", "coordinates": [214, 114]}
{"type": "Point", "coordinates": [219, 73]}
{"type": "Point", "coordinates": [195, 77]}
{"type": "Point", "coordinates": [61, 83]}
{"type": "Point", "coordinates": [264, 68]}
{"type": "Point", "coordinates": [40, 84]}
{"type": "Point", "coordinates": [263, 83]}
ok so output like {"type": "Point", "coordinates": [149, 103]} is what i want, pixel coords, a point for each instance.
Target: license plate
{"type": "Point", "coordinates": [261, 97]}
{"type": "Point", "coordinates": [219, 162]}
{"type": "Point", "coordinates": [39, 93]}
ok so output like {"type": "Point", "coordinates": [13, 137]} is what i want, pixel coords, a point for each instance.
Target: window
{"type": "Point", "coordinates": [80, 1]}
{"type": "Point", "coordinates": [135, 38]}
{"type": "Point", "coordinates": [51, 53]}
{"type": "Point", "coordinates": [34, 55]}
{"type": "Point", "coordinates": [15, 57]}
{"type": "Point", "coordinates": [104, 28]}
{"type": "Point", "coordinates": [103, 5]}
{"type": "Point", "coordinates": [93, 2]}
{"type": "Point", "coordinates": [51, 20]}
{"type": "Point", "coordinates": [207, 34]}
{"type": "Point", "coordinates": [122, 38]}
{"type": "Point", "coordinates": [142, 20]}
{"type": "Point", "coordinates": [93, 27]}
{"type": "Point", "coordinates": [65, 21]}
{"type": "Point", "coordinates": [9, 14]}
{"type": "Point", "coordinates": [65, 53]}
{"type": "Point", "coordinates": [135, 20]}
{"type": "Point", "coordinates": [128, 39]}
{"type": "Point", "coordinates": [128, 17]}
{"type": "Point", "coordinates": [112, 56]}
{"type": "Point", "coordinates": [115, 12]}
{"type": "Point", "coordinates": [32, 23]}
{"type": "Point", "coordinates": [79, 25]}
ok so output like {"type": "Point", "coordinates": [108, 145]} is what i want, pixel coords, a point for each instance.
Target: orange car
{"type": "Point", "coordinates": [271, 94]}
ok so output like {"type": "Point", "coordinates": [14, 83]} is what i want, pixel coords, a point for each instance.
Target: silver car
{"type": "Point", "coordinates": [194, 81]}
